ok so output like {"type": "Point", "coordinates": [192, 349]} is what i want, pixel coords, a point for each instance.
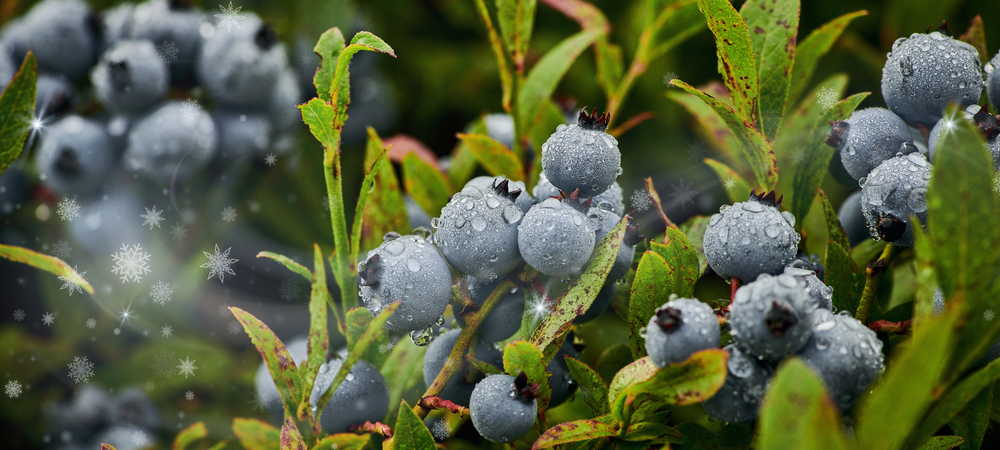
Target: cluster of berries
{"type": "Point", "coordinates": [95, 416]}
{"type": "Point", "coordinates": [143, 60]}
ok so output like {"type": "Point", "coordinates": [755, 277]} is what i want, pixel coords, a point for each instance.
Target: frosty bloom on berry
{"type": "Point", "coordinates": [869, 137]}
{"type": "Point", "coordinates": [477, 230]}
{"type": "Point", "coordinates": [556, 237]}
{"type": "Point", "coordinates": [750, 238]}
{"type": "Point", "coordinates": [746, 382]}
{"type": "Point", "coordinates": [980, 118]}
{"type": "Point", "coordinates": [582, 156]}
{"type": "Point", "coordinates": [845, 354]}
{"type": "Point", "coordinates": [458, 390]}
{"type": "Point", "coordinates": [679, 329]}
{"type": "Point", "coordinates": [408, 269]}
{"type": "Point", "coordinates": [772, 317]}
{"type": "Point", "coordinates": [503, 408]}
{"type": "Point", "coordinates": [362, 396]}
{"type": "Point", "coordinates": [891, 193]}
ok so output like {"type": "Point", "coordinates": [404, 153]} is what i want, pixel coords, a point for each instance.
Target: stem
{"type": "Point", "coordinates": [334, 191]}
{"type": "Point", "coordinates": [891, 327]}
{"type": "Point", "coordinates": [873, 274]}
{"type": "Point", "coordinates": [638, 67]}
{"type": "Point", "coordinates": [734, 285]}
{"type": "Point", "coordinates": [456, 359]}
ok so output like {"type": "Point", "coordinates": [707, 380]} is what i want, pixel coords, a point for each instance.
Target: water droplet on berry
{"type": "Point", "coordinates": [478, 223]}
{"type": "Point", "coordinates": [423, 337]}
{"type": "Point", "coordinates": [435, 222]}
{"type": "Point", "coordinates": [789, 218]}
{"type": "Point", "coordinates": [822, 343]}
{"type": "Point", "coordinates": [724, 235]}
{"type": "Point", "coordinates": [459, 222]}
{"type": "Point", "coordinates": [492, 202]}
{"type": "Point", "coordinates": [619, 171]}
{"type": "Point", "coordinates": [917, 200]}
{"type": "Point", "coordinates": [395, 248]}
{"type": "Point", "coordinates": [413, 265]}
{"type": "Point", "coordinates": [578, 220]}
{"type": "Point", "coordinates": [772, 230]}
{"type": "Point", "coordinates": [753, 207]}
{"type": "Point", "coordinates": [350, 377]}
{"type": "Point", "coordinates": [851, 150]}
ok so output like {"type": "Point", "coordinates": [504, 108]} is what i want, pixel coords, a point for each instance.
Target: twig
{"type": "Point", "coordinates": [377, 427]}
{"type": "Point", "coordinates": [438, 403]}
{"type": "Point", "coordinates": [891, 327]}
{"type": "Point", "coordinates": [873, 275]}
{"type": "Point", "coordinates": [734, 285]}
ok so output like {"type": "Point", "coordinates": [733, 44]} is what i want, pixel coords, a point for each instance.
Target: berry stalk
{"type": "Point", "coordinates": [873, 276]}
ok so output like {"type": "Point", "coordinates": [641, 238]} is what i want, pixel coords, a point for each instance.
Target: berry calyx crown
{"type": "Point", "coordinates": [669, 319]}
{"type": "Point", "coordinates": [523, 390]}
{"type": "Point", "coordinates": [574, 200]}
{"type": "Point", "coordinates": [780, 318]}
{"type": "Point", "coordinates": [592, 122]}
{"type": "Point", "coordinates": [767, 198]}
{"type": "Point", "coordinates": [838, 134]}
{"type": "Point", "coordinates": [371, 270]}
{"type": "Point", "coordinates": [501, 189]}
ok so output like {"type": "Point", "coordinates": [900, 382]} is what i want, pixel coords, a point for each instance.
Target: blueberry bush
{"type": "Point", "coordinates": [473, 312]}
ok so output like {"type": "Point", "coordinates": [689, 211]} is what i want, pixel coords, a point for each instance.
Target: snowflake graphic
{"type": "Point", "coordinates": [43, 176]}
{"type": "Point", "coordinates": [682, 194]}
{"type": "Point", "coordinates": [161, 292]}
{"type": "Point", "coordinates": [797, 156]}
{"type": "Point", "coordinates": [72, 280]}
{"type": "Point", "coordinates": [243, 117]}
{"type": "Point", "coordinates": [181, 415]}
{"type": "Point", "coordinates": [186, 367]}
{"type": "Point", "coordinates": [68, 209]}
{"type": "Point", "coordinates": [189, 395]}
{"type": "Point", "coordinates": [190, 109]}
{"type": "Point", "coordinates": [91, 323]}
{"type": "Point", "coordinates": [696, 151]}
{"type": "Point", "coordinates": [669, 76]}
{"type": "Point", "coordinates": [139, 438]}
{"type": "Point", "coordinates": [167, 51]}
{"type": "Point", "coordinates": [289, 290]}
{"type": "Point", "coordinates": [130, 263]}
{"type": "Point", "coordinates": [166, 331]}
{"type": "Point", "coordinates": [153, 218]}
{"type": "Point", "coordinates": [163, 362]}
{"type": "Point", "coordinates": [257, 402]}
{"type": "Point", "coordinates": [229, 214]}
{"type": "Point", "coordinates": [224, 310]}
{"type": "Point", "coordinates": [996, 183]}
{"type": "Point", "coordinates": [306, 58]}
{"type": "Point", "coordinates": [441, 430]}
{"type": "Point", "coordinates": [149, 386]}
{"type": "Point", "coordinates": [270, 159]}
{"type": "Point", "coordinates": [18, 315]}
{"type": "Point", "coordinates": [118, 331]}
{"type": "Point", "coordinates": [292, 198]}
{"type": "Point", "coordinates": [386, 347]}
{"type": "Point", "coordinates": [234, 327]}
{"type": "Point", "coordinates": [827, 98]}
{"type": "Point", "coordinates": [13, 389]}
{"type": "Point", "coordinates": [730, 183]}
{"type": "Point", "coordinates": [62, 250]}
{"type": "Point", "coordinates": [230, 17]}
{"type": "Point", "coordinates": [640, 200]}
{"type": "Point", "coordinates": [81, 369]}
{"type": "Point", "coordinates": [48, 318]}
{"type": "Point", "coordinates": [105, 197]}
{"type": "Point", "coordinates": [219, 264]}
{"type": "Point", "coordinates": [325, 204]}
{"type": "Point", "coordinates": [989, 315]}
{"type": "Point", "coordinates": [178, 231]}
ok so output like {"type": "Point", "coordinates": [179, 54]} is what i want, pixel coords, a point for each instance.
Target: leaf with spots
{"type": "Point", "coordinates": [575, 431]}
{"type": "Point", "coordinates": [521, 356]}
{"type": "Point", "coordinates": [593, 388]}
{"type": "Point", "coordinates": [773, 26]}
{"type": "Point", "coordinates": [797, 412]}
{"type": "Point", "coordinates": [692, 381]}
{"type": "Point", "coordinates": [47, 263]}
{"type": "Point", "coordinates": [17, 107]}
{"type": "Point", "coordinates": [736, 55]}
{"type": "Point", "coordinates": [254, 434]}
{"type": "Point", "coordinates": [290, 437]}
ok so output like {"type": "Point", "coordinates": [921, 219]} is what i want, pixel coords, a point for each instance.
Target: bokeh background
{"type": "Point", "coordinates": [443, 79]}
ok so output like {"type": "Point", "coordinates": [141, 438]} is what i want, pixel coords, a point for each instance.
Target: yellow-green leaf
{"type": "Point", "coordinates": [287, 262]}
{"type": "Point", "coordinates": [280, 363]}
{"type": "Point", "coordinates": [773, 26]}
{"type": "Point", "coordinates": [493, 156]}
{"type": "Point", "coordinates": [50, 264]}
{"type": "Point", "coordinates": [343, 441]}
{"type": "Point", "coordinates": [254, 434]}
{"type": "Point", "coordinates": [428, 187]}
{"type": "Point", "coordinates": [328, 48]}
{"type": "Point", "coordinates": [810, 50]}
{"type": "Point", "coordinates": [737, 190]}
{"type": "Point", "coordinates": [543, 78]}
{"type": "Point", "coordinates": [190, 434]}
{"type": "Point", "coordinates": [575, 431]}
{"type": "Point", "coordinates": [318, 115]}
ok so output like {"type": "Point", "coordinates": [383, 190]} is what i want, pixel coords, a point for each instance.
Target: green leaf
{"type": "Point", "coordinates": [318, 115]}
{"type": "Point", "coordinates": [506, 78]}
{"type": "Point", "coordinates": [636, 372]}
{"type": "Point", "coordinates": [543, 78]}
{"type": "Point", "coordinates": [521, 356]}
{"type": "Point", "coordinates": [575, 431]}
{"type": "Point", "coordinates": [736, 58]}
{"type": "Point", "coordinates": [754, 149]}
{"type": "Point", "coordinates": [708, 124]}
{"type": "Point", "coordinates": [319, 338]}
{"type": "Point", "coordinates": [357, 322]}
{"type": "Point", "coordinates": [651, 286]}
{"type": "Point", "coordinates": [797, 411]}
{"type": "Point", "coordinates": [385, 209]}
{"type": "Point", "coordinates": [972, 421]}
{"type": "Point", "coordinates": [495, 157]}
{"type": "Point", "coordinates": [810, 50]}
{"type": "Point", "coordinates": [17, 109]}
{"type": "Point", "coordinates": [976, 37]}
{"type": "Point", "coordinates": [956, 398]}
{"type": "Point", "coordinates": [609, 64]}
{"type": "Point", "coordinates": [545, 123]}
{"type": "Point", "coordinates": [613, 359]}
{"type": "Point", "coordinates": [341, 86]}
{"type": "Point", "coordinates": [254, 434]}
{"type": "Point", "coordinates": [942, 443]}
{"type": "Point", "coordinates": [343, 441]}
{"type": "Point", "coordinates": [740, 190]}
{"type": "Point", "coordinates": [648, 431]}
{"type": "Point", "coordinates": [799, 126]}
{"type": "Point", "coordinates": [694, 228]}
{"type": "Point", "coordinates": [329, 46]}
{"type": "Point", "coordinates": [909, 387]}
{"type": "Point", "coordinates": [278, 360]}
{"type": "Point", "coordinates": [188, 435]}
{"type": "Point", "coordinates": [773, 26]}
{"type": "Point", "coordinates": [681, 256]}
{"type": "Point", "coordinates": [844, 277]}
{"type": "Point", "coordinates": [695, 380]}
{"type": "Point", "coordinates": [580, 294]}
{"type": "Point", "coordinates": [516, 19]}
{"type": "Point", "coordinates": [923, 305]}
{"type": "Point", "coordinates": [486, 368]}
{"type": "Point", "coordinates": [367, 185]}
{"type": "Point", "coordinates": [592, 387]}
{"type": "Point", "coordinates": [405, 367]}
{"type": "Point", "coordinates": [50, 264]}
{"type": "Point", "coordinates": [463, 164]}
{"type": "Point", "coordinates": [809, 173]}
{"type": "Point", "coordinates": [287, 262]}
{"type": "Point", "coordinates": [696, 437]}
{"type": "Point", "coordinates": [835, 231]}
{"type": "Point", "coordinates": [108, 447]}
{"type": "Point", "coordinates": [428, 187]}
{"type": "Point", "coordinates": [290, 437]}
{"type": "Point", "coordinates": [410, 432]}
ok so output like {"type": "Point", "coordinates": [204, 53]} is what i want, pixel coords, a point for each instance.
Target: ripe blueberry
{"type": "Point", "coordinates": [171, 140]}
{"type": "Point", "coordinates": [869, 137]}
{"type": "Point", "coordinates": [852, 218]}
{"type": "Point", "coordinates": [477, 231]}
{"type": "Point", "coordinates": [503, 408]}
{"type": "Point", "coordinates": [76, 154]}
{"type": "Point", "coordinates": [750, 238]}
{"type": "Point", "coordinates": [560, 379]}
{"type": "Point", "coordinates": [458, 390]}
{"type": "Point", "coordinates": [362, 396]}
{"type": "Point", "coordinates": [893, 192]}
{"type": "Point", "coordinates": [980, 118]}
{"type": "Point", "coordinates": [130, 77]}
{"type": "Point", "coordinates": [523, 200]}
{"type": "Point", "coordinates": [679, 329]}
{"type": "Point", "coordinates": [582, 156]}
{"type": "Point", "coordinates": [820, 294]}
{"type": "Point", "coordinates": [241, 68]}
{"type": "Point", "coordinates": [604, 221]}
{"type": "Point", "coordinates": [505, 318]}
{"type": "Point", "coordinates": [993, 80]}
{"type": "Point", "coordinates": [738, 400]}
{"type": "Point", "coordinates": [772, 317]}
{"type": "Point", "coordinates": [171, 25]}
{"type": "Point", "coordinates": [54, 96]}
{"type": "Point", "coordinates": [62, 35]}
{"type": "Point", "coordinates": [556, 237]}
{"type": "Point", "coordinates": [845, 354]}
{"type": "Point", "coordinates": [613, 196]}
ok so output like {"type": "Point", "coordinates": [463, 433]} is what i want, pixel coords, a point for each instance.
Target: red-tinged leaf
{"type": "Point", "coordinates": [736, 55]}
{"type": "Point", "coordinates": [290, 437]}
{"type": "Point", "coordinates": [280, 363]}
{"type": "Point", "coordinates": [976, 37]}
{"type": "Point", "coordinates": [575, 431]}
{"type": "Point", "coordinates": [692, 381]}
{"type": "Point", "coordinates": [343, 441]}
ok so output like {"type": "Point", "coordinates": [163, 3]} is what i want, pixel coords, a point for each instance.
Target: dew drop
{"type": "Point", "coordinates": [724, 235]}
{"type": "Point", "coordinates": [350, 377]}
{"type": "Point", "coordinates": [772, 230]}
{"type": "Point", "coordinates": [478, 223]}
{"type": "Point", "coordinates": [620, 171]}
{"type": "Point", "coordinates": [395, 248]}
{"type": "Point", "coordinates": [435, 222]}
{"type": "Point", "coordinates": [577, 220]}
{"type": "Point", "coordinates": [822, 343]}
{"type": "Point", "coordinates": [413, 265]}
{"type": "Point", "coordinates": [512, 214]}
{"type": "Point", "coordinates": [917, 200]}
{"type": "Point", "coordinates": [459, 222]}
{"type": "Point", "coordinates": [492, 202]}
{"type": "Point", "coordinates": [789, 218]}
{"type": "Point", "coordinates": [423, 337]}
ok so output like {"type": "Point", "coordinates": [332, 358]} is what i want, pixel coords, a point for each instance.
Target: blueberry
{"type": "Point", "coordinates": [104, 225]}
{"type": "Point", "coordinates": [980, 118]}
{"type": "Point", "coordinates": [83, 416]}
{"type": "Point", "coordinates": [478, 229]}
{"type": "Point", "coordinates": [820, 294]}
{"type": "Point", "coordinates": [7, 65]}
{"type": "Point", "coordinates": [174, 27]}
{"type": "Point", "coordinates": [242, 135]}
{"type": "Point", "coordinates": [505, 318]}
{"type": "Point", "coordinates": [582, 156]}
{"type": "Point", "coordinates": [62, 35]}
{"type": "Point", "coordinates": [869, 137]}
{"type": "Point", "coordinates": [283, 107]}
{"type": "Point", "coordinates": [893, 192]}
{"type": "Point", "coordinates": [613, 196]}
{"type": "Point", "coordinates": [556, 237]}
{"type": "Point", "coordinates": [852, 218]}
{"type": "Point", "coordinates": [926, 72]}
{"type": "Point", "coordinates": [14, 42]}
{"type": "Point", "coordinates": [738, 400]}
{"type": "Point", "coordinates": [811, 263]}
{"type": "Point", "coordinates": [267, 392]}
{"type": "Point", "coordinates": [772, 317]}
{"type": "Point", "coordinates": [407, 268]}
{"type": "Point", "coordinates": [116, 25]}
{"type": "Point", "coordinates": [130, 77]}
{"type": "Point", "coordinates": [523, 200]}
{"type": "Point", "coordinates": [604, 221]}
{"type": "Point", "coordinates": [845, 354]}
{"type": "Point", "coordinates": [601, 302]}
{"type": "Point", "coordinates": [242, 67]}
{"type": "Point", "coordinates": [54, 96]}
{"type": "Point", "coordinates": [679, 329]}
{"type": "Point", "coordinates": [415, 215]}
{"type": "Point", "coordinates": [458, 390]}
{"type": "Point", "coordinates": [750, 238]}
{"type": "Point", "coordinates": [503, 408]}
{"type": "Point", "coordinates": [172, 139]}
{"type": "Point", "coordinates": [500, 127]}
{"type": "Point", "coordinates": [362, 396]}
{"type": "Point", "coordinates": [76, 155]}
{"type": "Point", "coordinates": [133, 407]}
{"type": "Point", "coordinates": [560, 379]}
{"type": "Point", "coordinates": [993, 80]}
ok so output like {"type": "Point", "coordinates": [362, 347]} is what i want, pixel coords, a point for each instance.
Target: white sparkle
{"type": "Point", "coordinates": [91, 323]}
{"type": "Point", "coordinates": [167, 52]}
{"type": "Point", "coordinates": [105, 197]}
{"type": "Point", "coordinates": [229, 214]}
{"type": "Point", "coordinates": [219, 264]}
{"type": "Point", "coordinates": [153, 218]}
{"type": "Point", "coordinates": [68, 209]}
{"type": "Point", "coordinates": [43, 176]}
{"type": "Point", "coordinates": [270, 159]}
{"type": "Point", "coordinates": [386, 347]}
{"type": "Point", "coordinates": [48, 318]}
{"type": "Point", "coordinates": [80, 369]}
{"type": "Point", "coordinates": [539, 306]}
{"type": "Point", "coordinates": [161, 292]}
{"type": "Point", "coordinates": [230, 17]}
{"type": "Point", "coordinates": [166, 331]}
{"type": "Point", "coordinates": [126, 314]}
{"type": "Point", "coordinates": [243, 117]}
{"type": "Point", "coordinates": [178, 231]}
{"type": "Point", "coordinates": [72, 280]}
{"type": "Point", "coordinates": [441, 430]}
{"type": "Point", "coordinates": [181, 415]}
{"type": "Point", "coordinates": [13, 389]}
{"type": "Point", "coordinates": [131, 263]}
{"type": "Point", "coordinates": [186, 367]}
